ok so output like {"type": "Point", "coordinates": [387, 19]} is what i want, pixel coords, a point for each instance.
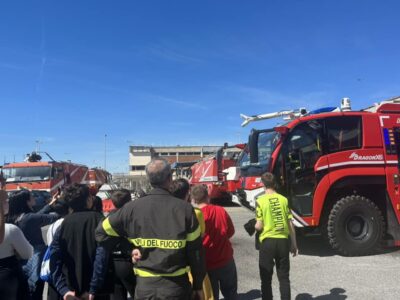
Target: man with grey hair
{"type": "Point", "coordinates": [158, 172]}
{"type": "Point", "coordinates": [166, 231]}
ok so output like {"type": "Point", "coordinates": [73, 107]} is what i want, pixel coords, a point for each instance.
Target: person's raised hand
{"type": "Point", "coordinates": [55, 198]}
{"type": "Point", "coordinates": [136, 255]}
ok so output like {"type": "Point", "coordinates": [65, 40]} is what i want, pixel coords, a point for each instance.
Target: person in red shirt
{"type": "Point", "coordinates": [221, 266]}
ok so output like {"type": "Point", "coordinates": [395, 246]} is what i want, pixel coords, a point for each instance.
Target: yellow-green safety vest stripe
{"type": "Point", "coordinates": [158, 243]}
{"type": "Point", "coordinates": [194, 235]}
{"type": "Point", "coordinates": [108, 229]}
{"type": "Point", "coordinates": [145, 273]}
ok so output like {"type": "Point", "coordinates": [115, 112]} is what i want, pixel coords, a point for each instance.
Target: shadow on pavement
{"type": "Point", "coordinates": [224, 202]}
{"type": "Point", "coordinates": [314, 246]}
{"type": "Point", "coordinates": [250, 295]}
{"type": "Point", "coordinates": [335, 294]}
{"type": "Point", "coordinates": [318, 246]}
{"type": "Point", "coordinates": [388, 250]}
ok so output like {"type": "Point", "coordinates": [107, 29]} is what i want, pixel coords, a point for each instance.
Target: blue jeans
{"type": "Point", "coordinates": [224, 278]}
{"type": "Point", "coordinates": [32, 272]}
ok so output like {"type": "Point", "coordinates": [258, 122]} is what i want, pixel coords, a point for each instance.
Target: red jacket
{"type": "Point", "coordinates": [219, 229]}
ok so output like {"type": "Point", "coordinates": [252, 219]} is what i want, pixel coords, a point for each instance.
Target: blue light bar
{"type": "Point", "coordinates": [322, 110]}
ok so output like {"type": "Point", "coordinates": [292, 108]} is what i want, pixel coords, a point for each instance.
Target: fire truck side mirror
{"type": "Point", "coordinates": [253, 146]}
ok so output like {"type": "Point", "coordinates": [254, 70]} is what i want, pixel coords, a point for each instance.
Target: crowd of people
{"type": "Point", "coordinates": [170, 243]}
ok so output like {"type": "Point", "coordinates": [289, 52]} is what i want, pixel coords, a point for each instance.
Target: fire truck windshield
{"type": "Point", "coordinates": [26, 174]}
{"type": "Point", "coordinates": [244, 159]}
{"type": "Point", "coordinates": [267, 142]}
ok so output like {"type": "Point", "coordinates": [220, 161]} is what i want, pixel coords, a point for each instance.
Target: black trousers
{"type": "Point", "coordinates": [52, 293]}
{"type": "Point", "coordinates": [274, 252]}
{"type": "Point", "coordinates": [13, 284]}
{"type": "Point", "coordinates": [125, 279]}
{"type": "Point", "coordinates": [224, 279]}
{"type": "Point", "coordinates": [162, 288]}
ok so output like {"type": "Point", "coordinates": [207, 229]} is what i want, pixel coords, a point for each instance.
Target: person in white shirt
{"type": "Point", "coordinates": [14, 246]}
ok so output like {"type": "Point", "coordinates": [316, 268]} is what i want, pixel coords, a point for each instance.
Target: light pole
{"type": "Point", "coordinates": [38, 145]}
{"type": "Point", "coordinates": [105, 151]}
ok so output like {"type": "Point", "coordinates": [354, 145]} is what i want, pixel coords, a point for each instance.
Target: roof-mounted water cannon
{"type": "Point", "coordinates": [36, 157]}
{"type": "Point", "coordinates": [345, 105]}
{"type": "Point", "coordinates": [33, 157]}
{"type": "Point", "coordinates": [286, 114]}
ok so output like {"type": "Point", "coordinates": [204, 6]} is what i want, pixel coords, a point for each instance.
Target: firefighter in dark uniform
{"type": "Point", "coordinates": [166, 231]}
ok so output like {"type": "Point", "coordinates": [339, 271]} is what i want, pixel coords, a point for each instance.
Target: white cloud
{"type": "Point", "coordinates": [181, 103]}
{"type": "Point", "coordinates": [278, 100]}
{"type": "Point", "coordinates": [170, 53]}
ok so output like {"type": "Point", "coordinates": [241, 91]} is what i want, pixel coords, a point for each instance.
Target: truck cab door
{"type": "Point", "coordinates": [301, 150]}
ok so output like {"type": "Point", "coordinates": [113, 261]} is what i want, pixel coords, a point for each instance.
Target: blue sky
{"type": "Point", "coordinates": [180, 72]}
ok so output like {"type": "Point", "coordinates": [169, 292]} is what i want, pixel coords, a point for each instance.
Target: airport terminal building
{"type": "Point", "coordinates": [139, 156]}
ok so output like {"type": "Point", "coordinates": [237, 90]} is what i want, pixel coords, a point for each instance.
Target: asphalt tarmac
{"type": "Point", "coordinates": [318, 272]}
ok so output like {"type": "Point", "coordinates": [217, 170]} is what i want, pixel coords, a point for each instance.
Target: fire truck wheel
{"type": "Point", "coordinates": [355, 226]}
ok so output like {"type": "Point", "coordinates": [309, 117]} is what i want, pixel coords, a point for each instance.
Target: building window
{"type": "Point", "coordinates": [138, 168]}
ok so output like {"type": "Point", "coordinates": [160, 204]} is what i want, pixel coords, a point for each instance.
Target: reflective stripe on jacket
{"type": "Point", "coordinates": [166, 231]}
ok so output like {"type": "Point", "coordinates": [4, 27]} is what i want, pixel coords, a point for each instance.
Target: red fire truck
{"type": "Point", "coordinates": [340, 170]}
{"type": "Point", "coordinates": [35, 174]}
{"type": "Point", "coordinates": [96, 177]}
{"type": "Point", "coordinates": [211, 171]}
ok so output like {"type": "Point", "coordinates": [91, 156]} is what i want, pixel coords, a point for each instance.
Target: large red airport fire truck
{"type": "Point", "coordinates": [340, 170]}
{"type": "Point", "coordinates": [37, 175]}
{"type": "Point", "coordinates": [210, 171]}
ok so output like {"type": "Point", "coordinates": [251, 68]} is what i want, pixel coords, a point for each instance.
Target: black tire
{"type": "Point", "coordinates": [225, 200]}
{"type": "Point", "coordinates": [355, 226]}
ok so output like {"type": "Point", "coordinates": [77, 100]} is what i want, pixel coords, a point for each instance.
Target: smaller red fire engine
{"type": "Point", "coordinates": [37, 175]}
{"type": "Point", "coordinates": [211, 171]}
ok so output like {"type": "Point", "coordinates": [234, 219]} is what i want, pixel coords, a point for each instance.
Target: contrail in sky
{"type": "Point", "coordinates": [43, 56]}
